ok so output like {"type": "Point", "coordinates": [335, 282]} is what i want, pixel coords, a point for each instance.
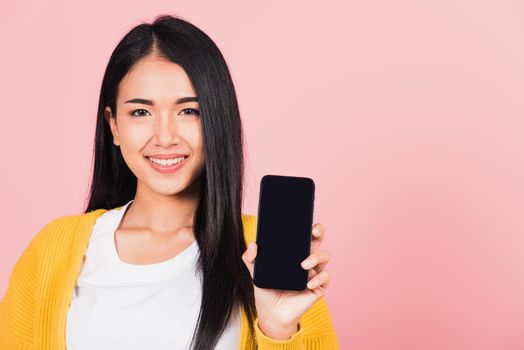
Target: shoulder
{"type": "Point", "coordinates": [248, 219]}
{"type": "Point", "coordinates": [63, 228]}
{"type": "Point", "coordinates": [27, 276]}
{"type": "Point", "coordinates": [48, 231]}
{"type": "Point", "coordinates": [250, 227]}
{"type": "Point", "coordinates": [28, 262]}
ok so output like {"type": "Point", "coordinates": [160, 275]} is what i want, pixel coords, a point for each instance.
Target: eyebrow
{"type": "Point", "coordinates": [151, 103]}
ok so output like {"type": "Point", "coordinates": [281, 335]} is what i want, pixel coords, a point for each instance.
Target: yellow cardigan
{"type": "Point", "coordinates": [33, 311]}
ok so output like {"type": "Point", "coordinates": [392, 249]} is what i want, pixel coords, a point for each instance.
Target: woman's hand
{"type": "Point", "coordinates": [280, 310]}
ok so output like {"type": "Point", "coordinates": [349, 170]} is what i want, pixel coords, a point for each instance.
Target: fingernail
{"type": "Point", "coordinates": [311, 284]}
{"type": "Point", "coordinates": [316, 229]}
{"type": "Point", "coordinates": [305, 264]}
{"type": "Point", "coordinates": [251, 245]}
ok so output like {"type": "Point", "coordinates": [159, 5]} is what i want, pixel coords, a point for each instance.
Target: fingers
{"type": "Point", "coordinates": [249, 256]}
{"type": "Point", "coordinates": [317, 260]}
{"type": "Point", "coordinates": [321, 280]}
{"type": "Point", "coordinates": [317, 233]}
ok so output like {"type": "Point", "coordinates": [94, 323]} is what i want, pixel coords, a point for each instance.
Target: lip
{"type": "Point", "coordinates": [166, 169]}
{"type": "Point", "coordinates": [166, 156]}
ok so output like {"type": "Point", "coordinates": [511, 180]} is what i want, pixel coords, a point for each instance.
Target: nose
{"type": "Point", "coordinates": [166, 130]}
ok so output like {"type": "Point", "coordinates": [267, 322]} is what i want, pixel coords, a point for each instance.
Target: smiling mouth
{"type": "Point", "coordinates": [166, 162]}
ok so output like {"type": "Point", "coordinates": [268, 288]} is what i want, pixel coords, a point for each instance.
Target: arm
{"type": "Point", "coordinates": [315, 332]}
{"type": "Point", "coordinates": [18, 305]}
{"type": "Point", "coordinates": [315, 327]}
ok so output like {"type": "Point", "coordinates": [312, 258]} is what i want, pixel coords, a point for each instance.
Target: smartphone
{"type": "Point", "coordinates": [284, 225]}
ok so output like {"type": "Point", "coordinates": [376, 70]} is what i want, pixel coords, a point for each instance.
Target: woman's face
{"type": "Point", "coordinates": [169, 124]}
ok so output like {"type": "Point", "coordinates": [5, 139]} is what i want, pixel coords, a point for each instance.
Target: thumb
{"type": "Point", "coordinates": [249, 256]}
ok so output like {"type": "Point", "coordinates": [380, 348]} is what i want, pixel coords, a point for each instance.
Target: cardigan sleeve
{"type": "Point", "coordinates": [315, 327]}
{"type": "Point", "coordinates": [18, 305]}
{"type": "Point", "coordinates": [315, 332]}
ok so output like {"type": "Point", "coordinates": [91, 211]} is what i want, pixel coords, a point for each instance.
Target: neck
{"type": "Point", "coordinates": [159, 213]}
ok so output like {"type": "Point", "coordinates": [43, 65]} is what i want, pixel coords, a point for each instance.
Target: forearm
{"type": "Point", "coordinates": [278, 332]}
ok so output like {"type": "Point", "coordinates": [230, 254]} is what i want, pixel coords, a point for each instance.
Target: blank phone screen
{"type": "Point", "coordinates": [284, 223]}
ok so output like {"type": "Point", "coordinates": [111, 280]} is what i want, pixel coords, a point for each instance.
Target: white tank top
{"type": "Point", "coordinates": [116, 305]}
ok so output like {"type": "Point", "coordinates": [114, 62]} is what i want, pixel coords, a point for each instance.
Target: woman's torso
{"type": "Point", "coordinates": [122, 305]}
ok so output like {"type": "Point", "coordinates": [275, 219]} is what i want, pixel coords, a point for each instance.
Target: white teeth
{"type": "Point", "coordinates": [166, 162]}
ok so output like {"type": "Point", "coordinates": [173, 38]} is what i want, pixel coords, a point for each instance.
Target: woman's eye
{"type": "Point", "coordinates": [184, 111]}
{"type": "Point", "coordinates": [191, 111]}
{"type": "Point", "coordinates": [137, 110]}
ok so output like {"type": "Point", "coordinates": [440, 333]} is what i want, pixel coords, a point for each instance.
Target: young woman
{"type": "Point", "coordinates": [159, 259]}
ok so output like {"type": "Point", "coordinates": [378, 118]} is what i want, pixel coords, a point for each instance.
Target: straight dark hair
{"type": "Point", "coordinates": [217, 224]}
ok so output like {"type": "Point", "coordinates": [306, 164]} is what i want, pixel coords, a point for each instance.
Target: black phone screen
{"type": "Point", "coordinates": [284, 223]}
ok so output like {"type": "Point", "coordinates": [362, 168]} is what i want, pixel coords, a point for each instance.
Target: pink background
{"type": "Point", "coordinates": [407, 114]}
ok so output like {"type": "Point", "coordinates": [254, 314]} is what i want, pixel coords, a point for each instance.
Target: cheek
{"type": "Point", "coordinates": [196, 142]}
{"type": "Point", "coordinates": [194, 137]}
{"type": "Point", "coordinates": [199, 146]}
{"type": "Point", "coordinates": [133, 135]}
{"type": "Point", "coordinates": [132, 140]}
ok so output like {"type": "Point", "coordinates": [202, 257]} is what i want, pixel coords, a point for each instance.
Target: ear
{"type": "Point", "coordinates": [112, 124]}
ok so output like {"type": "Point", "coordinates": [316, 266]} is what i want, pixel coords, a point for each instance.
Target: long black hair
{"type": "Point", "coordinates": [217, 223]}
